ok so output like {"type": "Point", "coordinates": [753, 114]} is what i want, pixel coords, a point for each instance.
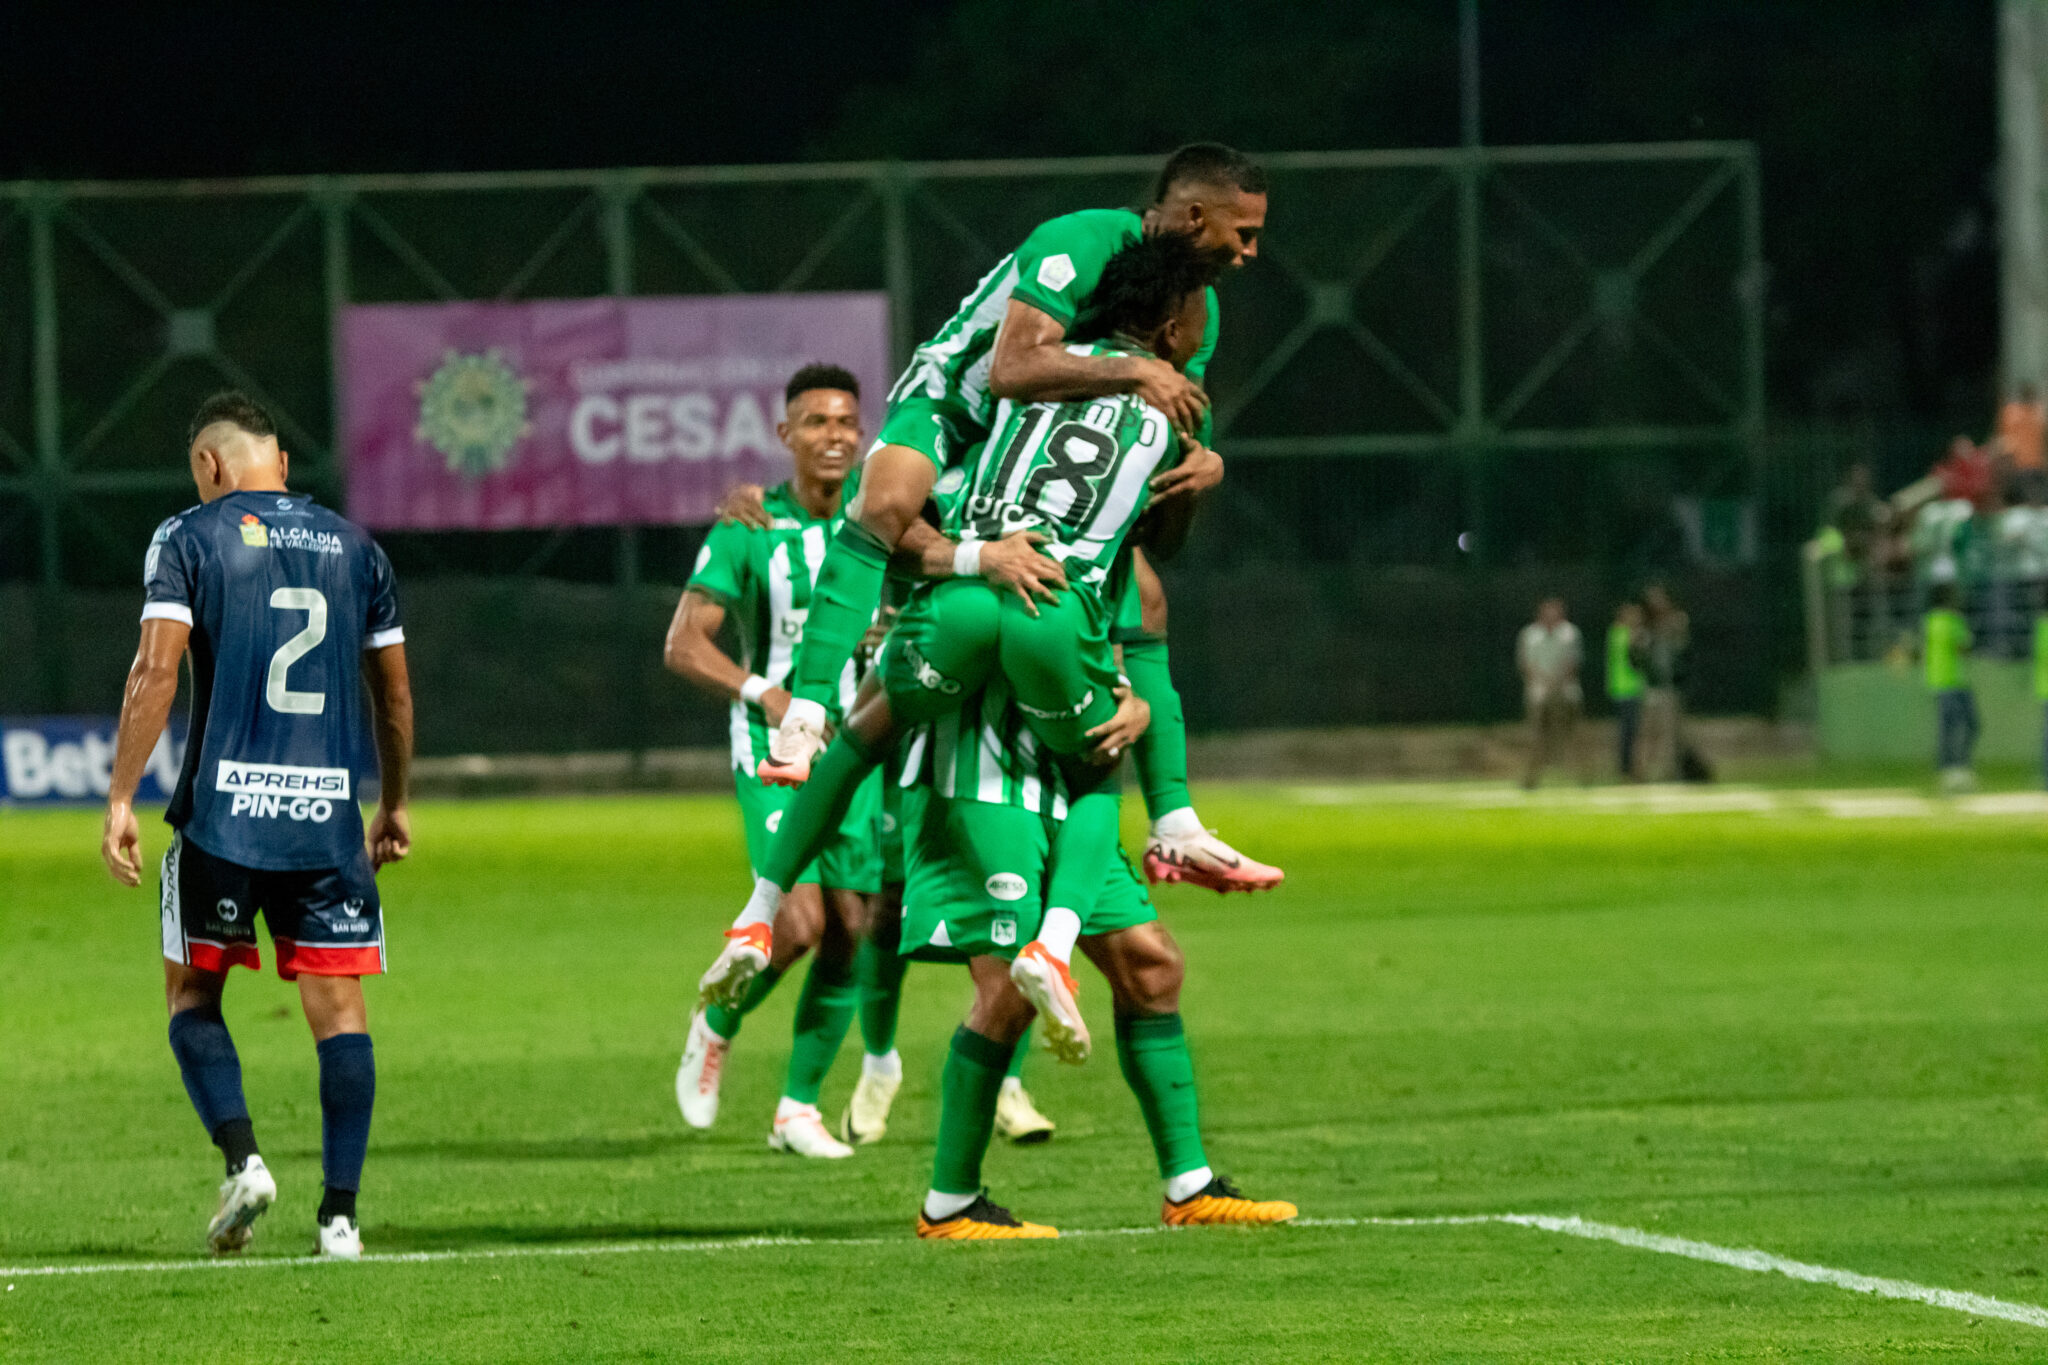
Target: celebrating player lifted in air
{"type": "Point", "coordinates": [288, 613]}
{"type": "Point", "coordinates": [1008, 341]}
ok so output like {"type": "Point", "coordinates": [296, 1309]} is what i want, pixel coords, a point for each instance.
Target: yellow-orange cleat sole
{"type": "Point", "coordinates": [966, 1229]}
{"type": "Point", "coordinates": [1208, 1210]}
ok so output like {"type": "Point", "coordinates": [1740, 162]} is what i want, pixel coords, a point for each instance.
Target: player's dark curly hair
{"type": "Point", "coordinates": [231, 405]}
{"type": "Point", "coordinates": [1209, 163]}
{"type": "Point", "coordinates": [820, 377]}
{"type": "Point", "coordinates": [1143, 284]}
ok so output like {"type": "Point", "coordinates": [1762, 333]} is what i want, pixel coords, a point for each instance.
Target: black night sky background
{"type": "Point", "coordinates": [1875, 117]}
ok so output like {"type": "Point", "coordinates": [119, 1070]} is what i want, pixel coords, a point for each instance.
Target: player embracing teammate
{"type": "Point", "coordinates": [1089, 439]}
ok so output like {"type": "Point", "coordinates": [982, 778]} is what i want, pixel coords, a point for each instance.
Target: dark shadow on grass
{"type": "Point", "coordinates": [390, 1237]}
{"type": "Point", "coordinates": [535, 1149]}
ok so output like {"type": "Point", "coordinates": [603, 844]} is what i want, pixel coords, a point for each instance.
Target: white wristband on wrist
{"type": "Point", "coordinates": [753, 687]}
{"type": "Point", "coordinates": [967, 559]}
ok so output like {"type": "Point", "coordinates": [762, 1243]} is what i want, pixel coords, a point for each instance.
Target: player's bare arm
{"type": "Point", "coordinates": [145, 706]}
{"type": "Point", "coordinates": [692, 652]}
{"type": "Point", "coordinates": [389, 684]}
{"type": "Point", "coordinates": [1014, 563]}
{"type": "Point", "coordinates": [1031, 364]}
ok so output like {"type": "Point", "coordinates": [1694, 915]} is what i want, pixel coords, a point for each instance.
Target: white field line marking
{"type": "Point", "coordinates": [1740, 1258]}
{"type": "Point", "coordinates": [1864, 804]}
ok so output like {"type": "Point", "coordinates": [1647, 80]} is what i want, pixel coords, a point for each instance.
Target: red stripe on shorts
{"type": "Point", "coordinates": [315, 959]}
{"type": "Point", "coordinates": [218, 957]}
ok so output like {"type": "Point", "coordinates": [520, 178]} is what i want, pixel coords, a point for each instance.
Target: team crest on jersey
{"type": "Point", "coordinates": [950, 482]}
{"type": "Point", "coordinates": [473, 410]}
{"type": "Point", "coordinates": [1002, 930]}
{"type": "Point", "coordinates": [254, 533]}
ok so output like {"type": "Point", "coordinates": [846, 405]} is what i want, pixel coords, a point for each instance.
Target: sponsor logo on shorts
{"type": "Point", "coordinates": [227, 911]}
{"type": "Point", "coordinates": [353, 907]}
{"type": "Point", "coordinates": [1071, 713]}
{"type": "Point", "coordinates": [1002, 930]}
{"type": "Point", "coordinates": [927, 676]}
{"type": "Point", "coordinates": [774, 821]}
{"type": "Point", "coordinates": [1006, 886]}
{"type": "Point", "coordinates": [888, 823]}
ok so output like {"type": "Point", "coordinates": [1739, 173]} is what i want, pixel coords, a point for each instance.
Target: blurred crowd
{"type": "Point", "coordinates": [1645, 668]}
{"type": "Point", "coordinates": [1978, 520]}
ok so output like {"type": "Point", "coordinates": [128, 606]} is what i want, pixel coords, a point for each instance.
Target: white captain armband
{"type": "Point", "coordinates": [752, 689]}
{"type": "Point", "coordinates": [967, 559]}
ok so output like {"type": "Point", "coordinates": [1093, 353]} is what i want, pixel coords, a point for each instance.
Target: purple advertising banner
{"type": "Point", "coordinates": [583, 412]}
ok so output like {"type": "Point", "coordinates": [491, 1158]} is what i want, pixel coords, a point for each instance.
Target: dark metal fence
{"type": "Point", "coordinates": [1452, 374]}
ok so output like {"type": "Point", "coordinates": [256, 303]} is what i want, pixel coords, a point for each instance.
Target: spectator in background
{"type": "Point", "coordinates": [1626, 647]}
{"type": "Point", "coordinates": [1669, 632]}
{"type": "Point", "coordinates": [1945, 645]}
{"type": "Point", "coordinates": [2041, 682]}
{"type": "Point", "coordinates": [2023, 436]}
{"type": "Point", "coordinates": [1856, 511]}
{"type": "Point", "coordinates": [1549, 654]}
{"type": "Point", "coordinates": [1966, 472]}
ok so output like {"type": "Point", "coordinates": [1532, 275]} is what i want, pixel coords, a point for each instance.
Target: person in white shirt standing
{"type": "Point", "coordinates": [1548, 652]}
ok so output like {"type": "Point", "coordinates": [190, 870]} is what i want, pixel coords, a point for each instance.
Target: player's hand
{"type": "Point", "coordinates": [1133, 717]}
{"type": "Point", "coordinates": [745, 503]}
{"type": "Point", "coordinates": [1200, 469]}
{"type": "Point", "coordinates": [775, 701]}
{"type": "Point", "coordinates": [1015, 562]}
{"type": "Point", "coordinates": [1172, 392]}
{"type": "Point", "coordinates": [390, 835]}
{"type": "Point", "coordinates": [877, 631]}
{"type": "Point", "coordinates": [121, 844]}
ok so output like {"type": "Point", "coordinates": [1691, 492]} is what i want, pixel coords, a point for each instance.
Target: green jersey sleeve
{"type": "Point", "coordinates": [721, 570]}
{"type": "Point", "coordinates": [1061, 262]}
{"type": "Point", "coordinates": [1198, 368]}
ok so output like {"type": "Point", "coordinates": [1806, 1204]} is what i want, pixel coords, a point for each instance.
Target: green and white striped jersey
{"type": "Point", "coordinates": [1078, 471]}
{"type": "Point", "coordinates": [984, 752]}
{"type": "Point", "coordinates": [1054, 271]}
{"type": "Point", "coordinates": [764, 580]}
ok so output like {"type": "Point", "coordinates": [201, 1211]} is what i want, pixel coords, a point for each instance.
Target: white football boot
{"type": "Point", "coordinates": [341, 1238]}
{"type": "Point", "coordinates": [1201, 859]}
{"type": "Point", "coordinates": [702, 1068]}
{"type": "Point", "coordinates": [244, 1197]}
{"type": "Point", "coordinates": [744, 957]}
{"type": "Point", "coordinates": [867, 1114]}
{"type": "Point", "coordinates": [795, 745]}
{"type": "Point", "coordinates": [1052, 991]}
{"type": "Point", "coordinates": [800, 1130]}
{"type": "Point", "coordinates": [1017, 1118]}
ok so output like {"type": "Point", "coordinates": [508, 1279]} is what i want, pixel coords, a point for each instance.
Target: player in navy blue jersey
{"type": "Point", "coordinates": [290, 617]}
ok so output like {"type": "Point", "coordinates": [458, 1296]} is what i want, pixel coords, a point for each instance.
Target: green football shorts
{"type": "Point", "coordinates": [942, 430]}
{"type": "Point", "coordinates": [954, 635]}
{"type": "Point", "coordinates": [852, 861]}
{"type": "Point", "coordinates": [892, 827]}
{"type": "Point", "coordinates": [977, 880]}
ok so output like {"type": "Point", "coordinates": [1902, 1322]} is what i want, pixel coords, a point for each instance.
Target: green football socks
{"type": "Point", "coordinates": [1153, 1051]}
{"type": "Point", "coordinates": [878, 972]}
{"type": "Point", "coordinates": [824, 1012]}
{"type": "Point", "coordinates": [1016, 1071]}
{"type": "Point", "coordinates": [820, 805]}
{"type": "Point", "coordinates": [1161, 753]}
{"type": "Point", "coordinates": [843, 604]}
{"type": "Point", "coordinates": [967, 1109]}
{"type": "Point", "coordinates": [724, 1020]}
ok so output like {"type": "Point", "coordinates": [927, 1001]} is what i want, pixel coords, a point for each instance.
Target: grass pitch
{"type": "Point", "coordinates": [1770, 1027]}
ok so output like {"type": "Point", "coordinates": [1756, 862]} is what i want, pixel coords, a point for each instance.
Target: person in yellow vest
{"type": "Point", "coordinates": [1625, 684]}
{"type": "Point", "coordinates": [1945, 648]}
{"type": "Point", "coordinates": [2041, 684]}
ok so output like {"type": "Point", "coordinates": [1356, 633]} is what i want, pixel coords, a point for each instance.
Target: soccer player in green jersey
{"type": "Point", "coordinates": [1007, 341]}
{"type": "Point", "coordinates": [1079, 473]}
{"type": "Point", "coordinates": [979, 831]}
{"type": "Point", "coordinates": [761, 579]}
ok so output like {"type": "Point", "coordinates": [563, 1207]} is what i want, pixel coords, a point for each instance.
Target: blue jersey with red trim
{"type": "Point", "coordinates": [283, 596]}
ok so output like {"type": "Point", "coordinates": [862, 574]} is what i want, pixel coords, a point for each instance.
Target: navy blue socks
{"type": "Point", "coordinates": [348, 1089]}
{"type": "Point", "coordinates": [213, 1078]}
